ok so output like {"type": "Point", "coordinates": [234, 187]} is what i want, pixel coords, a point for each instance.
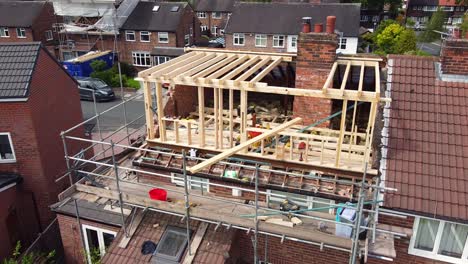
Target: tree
{"type": "Point", "coordinates": [395, 39]}
{"type": "Point", "coordinates": [464, 25]}
{"type": "Point", "coordinates": [436, 23]}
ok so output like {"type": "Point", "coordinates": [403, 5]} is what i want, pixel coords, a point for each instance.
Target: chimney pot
{"type": "Point", "coordinates": [331, 20]}
{"type": "Point", "coordinates": [318, 28]}
{"type": "Point", "coordinates": [306, 24]}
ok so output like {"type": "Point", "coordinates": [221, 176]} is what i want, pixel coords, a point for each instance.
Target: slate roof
{"type": "Point", "coordinates": [144, 18]}
{"type": "Point", "coordinates": [167, 51]}
{"type": "Point", "coordinates": [7, 178]}
{"type": "Point", "coordinates": [19, 13]}
{"type": "Point", "coordinates": [281, 18]}
{"type": "Point", "coordinates": [17, 62]}
{"type": "Point", "coordinates": [427, 156]}
{"type": "Point", "coordinates": [213, 249]}
{"type": "Point", "coordinates": [214, 5]}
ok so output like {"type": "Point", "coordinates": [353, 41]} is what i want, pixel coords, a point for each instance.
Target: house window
{"type": "Point", "coordinates": [439, 240]}
{"type": "Point", "coordinates": [163, 37]}
{"type": "Point", "coordinates": [160, 59]}
{"type": "Point", "coordinates": [375, 19]}
{"type": "Point", "coordinates": [447, 8]}
{"type": "Point", "coordinates": [196, 183]}
{"type": "Point", "coordinates": [144, 36]}
{"type": "Point", "coordinates": [457, 20]}
{"type": "Point", "coordinates": [97, 240]}
{"type": "Point", "coordinates": [238, 39]}
{"type": "Point", "coordinates": [130, 35]}
{"type": "Point", "coordinates": [214, 31]}
{"type": "Point", "coordinates": [201, 14]}
{"type": "Point", "coordinates": [221, 32]}
{"type": "Point", "coordinates": [191, 30]}
{"type": "Point", "coordinates": [187, 40]}
{"type": "Point", "coordinates": [278, 41]}
{"type": "Point", "coordinates": [420, 8]}
{"type": "Point", "coordinates": [430, 8]}
{"type": "Point", "coordinates": [260, 40]}
{"type": "Point", "coordinates": [204, 28]}
{"type": "Point", "coordinates": [4, 32]}
{"type": "Point", "coordinates": [342, 44]}
{"type": "Point", "coordinates": [141, 58]}
{"type": "Point", "coordinates": [7, 152]}
{"type": "Point", "coordinates": [216, 15]}
{"type": "Point", "coordinates": [49, 35]}
{"type": "Point", "coordinates": [364, 18]}
{"type": "Point", "coordinates": [171, 246]}
{"type": "Point", "coordinates": [305, 202]}
{"type": "Point", "coordinates": [21, 33]}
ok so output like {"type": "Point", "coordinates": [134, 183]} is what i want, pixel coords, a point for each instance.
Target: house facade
{"type": "Point", "coordinates": [33, 85]}
{"type": "Point", "coordinates": [247, 29]}
{"type": "Point", "coordinates": [213, 16]}
{"type": "Point", "coordinates": [420, 11]}
{"type": "Point", "coordinates": [157, 25]}
{"type": "Point", "coordinates": [27, 21]}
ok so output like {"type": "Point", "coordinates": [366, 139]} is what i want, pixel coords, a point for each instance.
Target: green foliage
{"type": "Point", "coordinates": [133, 84]}
{"type": "Point", "coordinates": [379, 4]}
{"type": "Point", "coordinates": [111, 76]}
{"type": "Point", "coordinates": [395, 39]}
{"type": "Point", "coordinates": [29, 258]}
{"type": "Point", "coordinates": [410, 22]}
{"type": "Point", "coordinates": [417, 53]}
{"type": "Point", "coordinates": [435, 23]}
{"type": "Point", "coordinates": [98, 65]}
{"type": "Point", "coordinates": [95, 256]}
{"type": "Point", "coordinates": [464, 25]}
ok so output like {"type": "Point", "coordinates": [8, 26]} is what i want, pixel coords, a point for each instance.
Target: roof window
{"type": "Point", "coordinates": [155, 8]}
{"type": "Point", "coordinates": [171, 247]}
{"type": "Point", "coordinates": [174, 8]}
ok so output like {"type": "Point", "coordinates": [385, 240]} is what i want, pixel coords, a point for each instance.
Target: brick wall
{"type": "Point", "coordinates": [182, 102]}
{"type": "Point", "coordinates": [13, 36]}
{"type": "Point", "coordinates": [454, 56]}
{"type": "Point", "coordinates": [209, 21]}
{"type": "Point", "coordinates": [44, 22]}
{"type": "Point", "coordinates": [71, 240]}
{"type": "Point", "coordinates": [250, 44]}
{"type": "Point", "coordinates": [188, 21]}
{"type": "Point", "coordinates": [315, 57]}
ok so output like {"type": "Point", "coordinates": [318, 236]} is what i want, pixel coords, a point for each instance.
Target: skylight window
{"type": "Point", "coordinates": [155, 8]}
{"type": "Point", "coordinates": [172, 246]}
{"type": "Point", "coordinates": [174, 8]}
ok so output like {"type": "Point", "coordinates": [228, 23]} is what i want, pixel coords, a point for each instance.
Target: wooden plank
{"type": "Point", "coordinates": [149, 111]}
{"type": "Point", "coordinates": [221, 117]}
{"type": "Point", "coordinates": [148, 72]}
{"type": "Point", "coordinates": [214, 67]}
{"type": "Point", "coordinates": [377, 79]}
{"type": "Point", "coordinates": [189, 133]}
{"type": "Point", "coordinates": [329, 80]}
{"type": "Point", "coordinates": [267, 70]}
{"type": "Point", "coordinates": [345, 77]}
{"type": "Point", "coordinates": [234, 150]}
{"type": "Point", "coordinates": [160, 110]}
{"type": "Point", "coordinates": [196, 242]}
{"type": "Point", "coordinates": [193, 64]}
{"type": "Point", "coordinates": [243, 115]}
{"type": "Point", "coordinates": [171, 67]}
{"type": "Point", "coordinates": [201, 114]}
{"type": "Point", "coordinates": [136, 223]}
{"type": "Point", "coordinates": [254, 69]}
{"type": "Point", "coordinates": [216, 116]}
{"type": "Point", "coordinates": [284, 56]}
{"type": "Point", "coordinates": [176, 130]}
{"type": "Point", "coordinates": [203, 66]}
{"type": "Point", "coordinates": [342, 129]}
{"type": "Point", "coordinates": [240, 68]}
{"type": "Point", "coordinates": [231, 124]}
{"type": "Point", "coordinates": [361, 79]}
{"type": "Point", "coordinates": [227, 68]}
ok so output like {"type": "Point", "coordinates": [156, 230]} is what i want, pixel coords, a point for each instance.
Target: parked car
{"type": "Point", "coordinates": [102, 91]}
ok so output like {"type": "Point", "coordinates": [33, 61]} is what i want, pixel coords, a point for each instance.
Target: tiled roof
{"type": "Point", "coordinates": [214, 248]}
{"type": "Point", "coordinates": [7, 178]}
{"type": "Point", "coordinates": [19, 13]}
{"type": "Point", "coordinates": [17, 61]}
{"type": "Point", "coordinates": [427, 148]}
{"type": "Point", "coordinates": [144, 18]}
{"type": "Point", "coordinates": [214, 5]}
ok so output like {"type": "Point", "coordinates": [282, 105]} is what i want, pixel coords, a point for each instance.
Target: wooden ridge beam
{"type": "Point", "coordinates": [234, 150]}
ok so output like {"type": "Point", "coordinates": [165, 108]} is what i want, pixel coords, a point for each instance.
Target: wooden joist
{"type": "Point", "coordinates": [234, 150]}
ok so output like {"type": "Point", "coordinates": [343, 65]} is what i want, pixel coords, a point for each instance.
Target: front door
{"type": "Point", "coordinates": [292, 43]}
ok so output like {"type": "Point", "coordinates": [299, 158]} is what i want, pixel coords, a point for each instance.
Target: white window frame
{"type": "Point", "coordinates": [340, 43]}
{"type": "Point", "coordinates": [142, 55]}
{"type": "Point", "coordinates": [277, 38]}
{"type": "Point", "coordinates": [187, 40]}
{"type": "Point", "coordinates": [261, 37]}
{"type": "Point", "coordinates": [5, 32]}
{"type": "Point", "coordinates": [160, 59]}
{"type": "Point", "coordinates": [217, 16]}
{"type": "Point", "coordinates": [147, 33]}
{"type": "Point", "coordinates": [130, 32]}
{"type": "Point", "coordinates": [238, 37]}
{"type": "Point", "coordinates": [203, 28]}
{"type": "Point", "coordinates": [100, 232]}
{"type": "Point", "coordinates": [434, 255]}
{"type": "Point", "coordinates": [49, 35]}
{"type": "Point", "coordinates": [12, 149]}
{"type": "Point", "coordinates": [20, 32]}
{"type": "Point", "coordinates": [201, 14]}
{"type": "Point", "coordinates": [364, 18]}
{"type": "Point", "coordinates": [307, 202]}
{"type": "Point", "coordinates": [214, 31]}
{"type": "Point", "coordinates": [292, 39]}
{"type": "Point", "coordinates": [221, 32]}
{"type": "Point", "coordinates": [161, 35]}
{"type": "Point", "coordinates": [178, 179]}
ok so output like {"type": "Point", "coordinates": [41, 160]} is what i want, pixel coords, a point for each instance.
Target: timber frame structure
{"type": "Point", "coordinates": [119, 177]}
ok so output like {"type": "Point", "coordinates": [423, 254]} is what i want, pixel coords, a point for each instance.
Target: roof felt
{"type": "Point", "coordinates": [7, 178]}
{"type": "Point", "coordinates": [214, 5]}
{"type": "Point", "coordinates": [427, 144]}
{"type": "Point", "coordinates": [17, 61]}
{"type": "Point", "coordinates": [214, 248]}
{"type": "Point", "coordinates": [144, 18]}
{"type": "Point", "coordinates": [19, 13]}
{"type": "Point", "coordinates": [280, 18]}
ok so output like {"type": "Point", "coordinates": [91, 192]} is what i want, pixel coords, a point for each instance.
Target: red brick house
{"type": "Point", "coordinates": [156, 31]}
{"type": "Point", "coordinates": [26, 21]}
{"type": "Point", "coordinates": [420, 11]}
{"type": "Point", "coordinates": [33, 88]}
{"type": "Point", "coordinates": [213, 15]}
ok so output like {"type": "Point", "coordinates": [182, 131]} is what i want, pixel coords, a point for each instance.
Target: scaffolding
{"type": "Point", "coordinates": [118, 177]}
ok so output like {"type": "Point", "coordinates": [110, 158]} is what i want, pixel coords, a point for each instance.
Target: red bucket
{"type": "Point", "coordinates": [158, 194]}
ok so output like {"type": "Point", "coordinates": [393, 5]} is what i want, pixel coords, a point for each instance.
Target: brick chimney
{"type": "Point", "coordinates": [454, 56]}
{"type": "Point", "coordinates": [315, 57]}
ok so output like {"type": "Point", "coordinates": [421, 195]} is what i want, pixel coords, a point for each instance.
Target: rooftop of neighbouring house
{"type": "Point", "coordinates": [7, 178]}
{"type": "Point", "coordinates": [257, 17]}
{"type": "Point", "coordinates": [155, 16]}
{"type": "Point", "coordinates": [17, 63]}
{"type": "Point", "coordinates": [214, 5]}
{"type": "Point", "coordinates": [427, 140]}
{"type": "Point", "coordinates": [19, 13]}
